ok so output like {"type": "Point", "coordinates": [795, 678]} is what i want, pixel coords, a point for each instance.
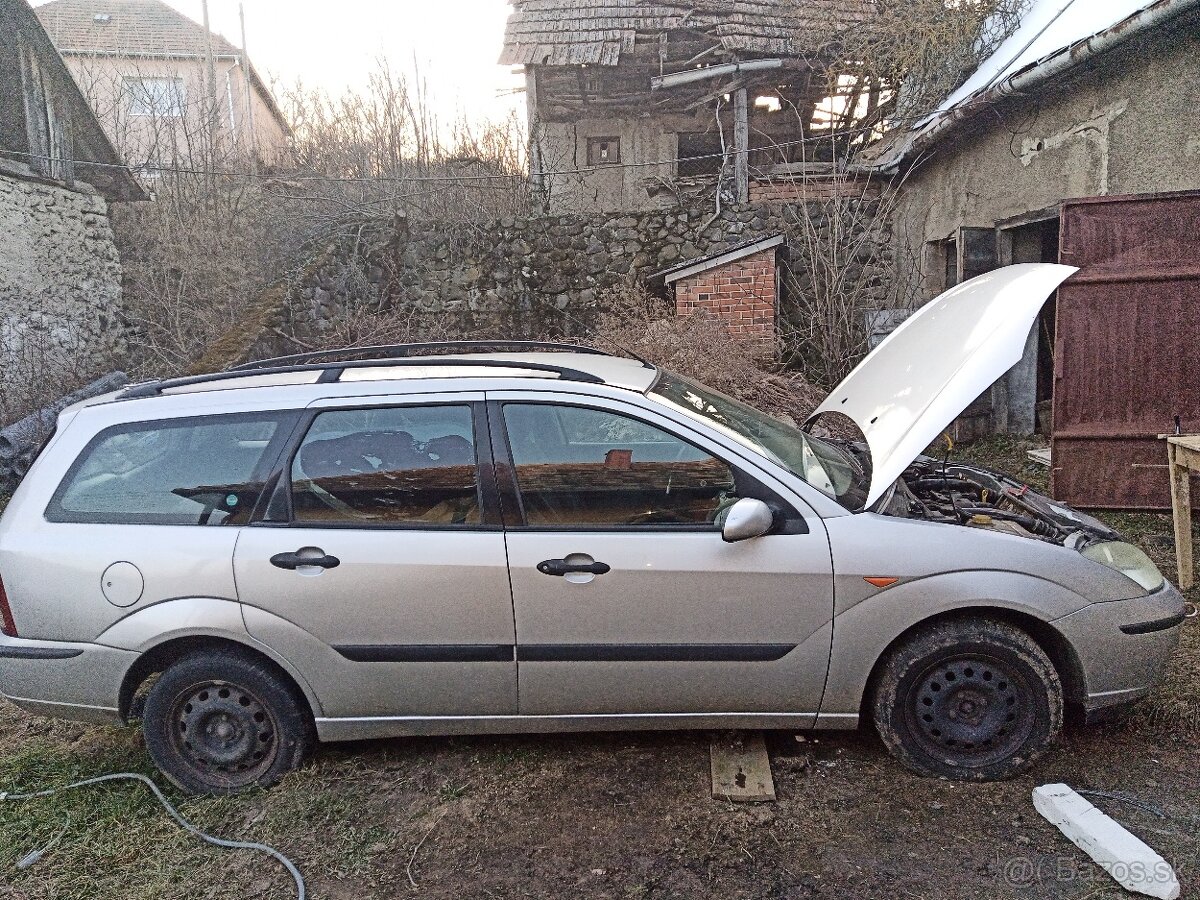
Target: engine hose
{"type": "Point", "coordinates": [948, 483]}
{"type": "Point", "coordinates": [174, 813]}
{"type": "Point", "coordinates": [1027, 522]}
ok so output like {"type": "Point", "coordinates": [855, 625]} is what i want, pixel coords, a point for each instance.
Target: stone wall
{"type": "Point", "coordinates": [512, 278]}
{"type": "Point", "coordinates": [60, 281]}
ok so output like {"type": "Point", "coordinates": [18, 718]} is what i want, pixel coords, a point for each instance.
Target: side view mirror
{"type": "Point", "coordinates": [748, 518]}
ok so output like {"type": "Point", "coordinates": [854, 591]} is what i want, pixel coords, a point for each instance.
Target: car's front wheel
{"type": "Point", "coordinates": [968, 699]}
{"type": "Point", "coordinates": [217, 722]}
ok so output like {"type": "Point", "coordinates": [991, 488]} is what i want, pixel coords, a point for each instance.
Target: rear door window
{"type": "Point", "coordinates": [388, 467]}
{"type": "Point", "coordinates": [205, 471]}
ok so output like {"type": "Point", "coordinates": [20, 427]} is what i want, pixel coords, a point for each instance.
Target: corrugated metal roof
{"type": "Point", "coordinates": [596, 32]}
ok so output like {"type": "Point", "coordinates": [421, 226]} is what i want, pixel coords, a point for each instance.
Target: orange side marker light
{"type": "Point", "coordinates": [879, 582]}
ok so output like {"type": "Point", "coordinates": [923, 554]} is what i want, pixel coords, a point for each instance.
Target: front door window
{"type": "Point", "coordinates": [578, 467]}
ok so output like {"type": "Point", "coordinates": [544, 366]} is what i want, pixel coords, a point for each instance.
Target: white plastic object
{"type": "Point", "coordinates": [1132, 863]}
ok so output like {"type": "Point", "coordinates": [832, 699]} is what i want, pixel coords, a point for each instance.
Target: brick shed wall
{"type": "Point", "coordinates": [740, 293]}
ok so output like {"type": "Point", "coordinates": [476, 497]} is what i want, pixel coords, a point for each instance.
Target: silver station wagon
{"type": "Point", "coordinates": [377, 543]}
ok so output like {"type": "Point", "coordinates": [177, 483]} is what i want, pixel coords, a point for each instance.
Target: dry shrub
{"type": "Point", "coordinates": [847, 260]}
{"type": "Point", "coordinates": [194, 258]}
{"type": "Point", "coordinates": [38, 366]}
{"type": "Point", "coordinates": [216, 234]}
{"type": "Point", "coordinates": [906, 57]}
{"type": "Point", "coordinates": [700, 347]}
{"type": "Point", "coordinates": [372, 326]}
{"type": "Point", "coordinates": [628, 320]}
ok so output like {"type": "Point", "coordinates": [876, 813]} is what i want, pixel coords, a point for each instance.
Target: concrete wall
{"type": "Point", "coordinates": [629, 186]}
{"type": "Point", "coordinates": [60, 280]}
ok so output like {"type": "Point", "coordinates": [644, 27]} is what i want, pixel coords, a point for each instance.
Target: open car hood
{"type": "Point", "coordinates": [926, 372]}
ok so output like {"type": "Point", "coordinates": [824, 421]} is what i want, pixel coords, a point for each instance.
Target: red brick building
{"type": "Point", "coordinates": [740, 286]}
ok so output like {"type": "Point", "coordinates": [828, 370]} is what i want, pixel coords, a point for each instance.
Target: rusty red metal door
{"type": "Point", "coordinates": [1127, 346]}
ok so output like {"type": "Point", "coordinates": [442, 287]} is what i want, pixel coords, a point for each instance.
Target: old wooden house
{"type": "Point", "coordinates": [637, 105]}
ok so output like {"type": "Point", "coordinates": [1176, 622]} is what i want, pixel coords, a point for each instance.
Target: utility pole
{"type": "Point", "coordinates": [741, 144]}
{"type": "Point", "coordinates": [247, 88]}
{"type": "Point", "coordinates": [213, 111]}
{"type": "Point", "coordinates": [537, 183]}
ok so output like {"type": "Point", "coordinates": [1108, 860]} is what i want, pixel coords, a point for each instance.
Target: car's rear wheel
{"type": "Point", "coordinates": [969, 699]}
{"type": "Point", "coordinates": [220, 722]}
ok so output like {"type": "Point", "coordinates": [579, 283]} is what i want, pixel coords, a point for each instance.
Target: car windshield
{"type": "Point", "coordinates": [826, 466]}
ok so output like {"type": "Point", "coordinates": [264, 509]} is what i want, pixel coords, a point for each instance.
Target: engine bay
{"type": "Point", "coordinates": [962, 494]}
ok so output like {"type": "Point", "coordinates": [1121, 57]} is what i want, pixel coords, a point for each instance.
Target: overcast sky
{"type": "Point", "coordinates": [334, 45]}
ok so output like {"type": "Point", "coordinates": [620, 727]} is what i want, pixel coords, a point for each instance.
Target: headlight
{"type": "Point", "coordinates": [1128, 560]}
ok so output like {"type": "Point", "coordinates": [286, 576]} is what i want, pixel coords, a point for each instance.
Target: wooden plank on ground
{"type": "Point", "coordinates": [741, 769]}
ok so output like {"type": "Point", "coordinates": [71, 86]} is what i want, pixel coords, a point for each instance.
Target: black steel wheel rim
{"type": "Point", "coordinates": [225, 733]}
{"type": "Point", "coordinates": [971, 710]}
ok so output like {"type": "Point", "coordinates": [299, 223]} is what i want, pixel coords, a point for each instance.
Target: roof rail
{"type": "Point", "coordinates": [405, 350]}
{"type": "Point", "coordinates": [333, 371]}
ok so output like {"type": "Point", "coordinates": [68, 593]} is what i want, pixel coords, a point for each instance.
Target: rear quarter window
{"type": "Point", "coordinates": [201, 471]}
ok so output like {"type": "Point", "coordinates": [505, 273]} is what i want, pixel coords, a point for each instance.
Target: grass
{"type": "Point", "coordinates": [119, 843]}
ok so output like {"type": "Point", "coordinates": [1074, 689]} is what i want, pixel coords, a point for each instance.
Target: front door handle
{"type": "Point", "coordinates": [295, 560]}
{"type": "Point", "coordinates": [562, 567]}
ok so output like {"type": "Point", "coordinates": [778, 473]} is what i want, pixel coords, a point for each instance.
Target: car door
{"type": "Point", "coordinates": [627, 600]}
{"type": "Point", "coordinates": [380, 561]}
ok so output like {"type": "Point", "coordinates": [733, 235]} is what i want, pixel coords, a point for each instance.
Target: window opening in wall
{"type": "Point", "coordinates": [699, 154]}
{"type": "Point", "coordinates": [949, 263]}
{"type": "Point", "coordinates": [603, 151]}
{"type": "Point", "coordinates": [160, 97]}
{"type": "Point", "coordinates": [977, 251]}
{"type": "Point", "coordinates": [1037, 242]}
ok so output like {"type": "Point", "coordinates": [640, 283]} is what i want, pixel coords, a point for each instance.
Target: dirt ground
{"type": "Point", "coordinates": [612, 815]}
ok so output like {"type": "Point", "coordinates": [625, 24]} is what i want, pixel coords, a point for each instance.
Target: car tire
{"type": "Point", "coordinates": [969, 700]}
{"type": "Point", "coordinates": [219, 722]}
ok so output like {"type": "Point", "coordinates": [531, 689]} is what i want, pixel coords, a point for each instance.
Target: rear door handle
{"type": "Point", "coordinates": [295, 561]}
{"type": "Point", "coordinates": [562, 567]}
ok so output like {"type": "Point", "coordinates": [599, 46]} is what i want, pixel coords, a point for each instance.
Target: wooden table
{"type": "Point", "coordinates": [1183, 458]}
